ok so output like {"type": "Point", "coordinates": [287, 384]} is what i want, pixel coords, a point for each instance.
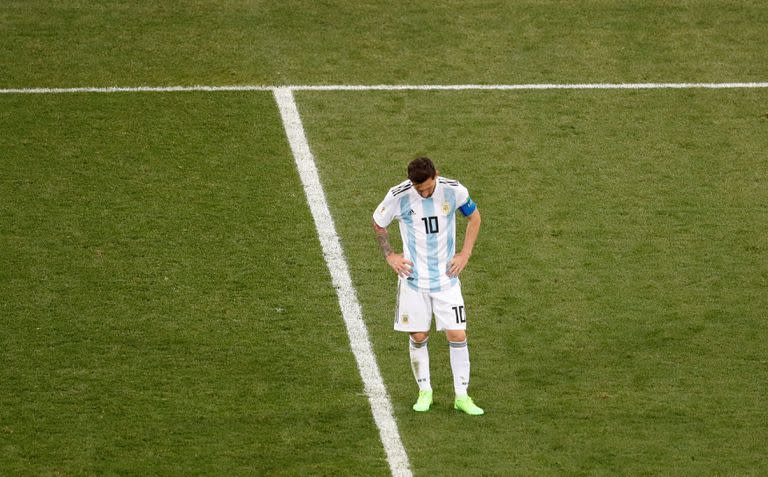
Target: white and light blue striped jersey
{"type": "Point", "coordinates": [427, 228]}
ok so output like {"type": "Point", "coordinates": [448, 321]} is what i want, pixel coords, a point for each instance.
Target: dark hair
{"type": "Point", "coordinates": [421, 169]}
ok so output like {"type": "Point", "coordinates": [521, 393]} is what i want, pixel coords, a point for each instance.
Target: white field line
{"type": "Point", "coordinates": [386, 87]}
{"type": "Point", "coordinates": [507, 87]}
{"type": "Point", "coordinates": [373, 383]}
{"type": "Point", "coordinates": [134, 89]}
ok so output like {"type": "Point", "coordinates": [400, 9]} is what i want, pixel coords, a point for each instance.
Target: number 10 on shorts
{"type": "Point", "coordinates": [459, 312]}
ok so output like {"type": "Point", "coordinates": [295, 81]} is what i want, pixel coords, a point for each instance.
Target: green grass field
{"type": "Point", "coordinates": [164, 302]}
{"type": "Point", "coordinates": [617, 294]}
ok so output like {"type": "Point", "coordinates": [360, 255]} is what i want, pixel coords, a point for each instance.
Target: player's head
{"type": "Point", "coordinates": [422, 173]}
{"type": "Point", "coordinates": [421, 169]}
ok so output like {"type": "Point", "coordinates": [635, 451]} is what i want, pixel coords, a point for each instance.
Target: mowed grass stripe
{"type": "Point", "coordinates": [304, 42]}
{"type": "Point", "coordinates": [164, 304]}
{"type": "Point", "coordinates": [616, 297]}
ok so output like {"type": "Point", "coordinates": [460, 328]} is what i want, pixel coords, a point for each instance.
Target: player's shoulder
{"type": "Point", "coordinates": [449, 182]}
{"type": "Point", "coordinates": [400, 189]}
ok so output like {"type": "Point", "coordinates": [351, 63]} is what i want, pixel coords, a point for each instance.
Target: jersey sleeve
{"type": "Point", "coordinates": [385, 212]}
{"type": "Point", "coordinates": [464, 202]}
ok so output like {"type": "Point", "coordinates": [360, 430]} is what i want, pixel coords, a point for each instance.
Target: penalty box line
{"type": "Point", "coordinates": [381, 407]}
{"type": "Point", "coordinates": [390, 87]}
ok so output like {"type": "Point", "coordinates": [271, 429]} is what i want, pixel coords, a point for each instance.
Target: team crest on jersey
{"type": "Point", "coordinates": [404, 318]}
{"type": "Point", "coordinates": [446, 208]}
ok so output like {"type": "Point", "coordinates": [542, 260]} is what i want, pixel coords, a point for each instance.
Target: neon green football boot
{"type": "Point", "coordinates": [465, 404]}
{"type": "Point", "coordinates": [423, 402]}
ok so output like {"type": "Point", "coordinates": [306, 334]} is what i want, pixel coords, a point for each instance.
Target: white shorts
{"type": "Point", "coordinates": [415, 308]}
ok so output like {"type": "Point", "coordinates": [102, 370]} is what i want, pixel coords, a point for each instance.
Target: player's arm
{"type": "Point", "coordinates": [460, 260]}
{"type": "Point", "coordinates": [396, 261]}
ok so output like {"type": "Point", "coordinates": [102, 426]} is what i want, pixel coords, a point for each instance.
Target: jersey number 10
{"type": "Point", "coordinates": [459, 312]}
{"type": "Point", "coordinates": [430, 224]}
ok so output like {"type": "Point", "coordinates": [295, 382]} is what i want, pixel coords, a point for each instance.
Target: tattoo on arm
{"type": "Point", "coordinates": [383, 238]}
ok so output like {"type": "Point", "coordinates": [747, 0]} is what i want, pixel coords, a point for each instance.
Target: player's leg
{"type": "Point", "coordinates": [419, 353]}
{"type": "Point", "coordinates": [450, 315]}
{"type": "Point", "coordinates": [414, 315]}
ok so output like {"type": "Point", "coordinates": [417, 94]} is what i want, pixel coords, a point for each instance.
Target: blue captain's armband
{"type": "Point", "coordinates": [468, 207]}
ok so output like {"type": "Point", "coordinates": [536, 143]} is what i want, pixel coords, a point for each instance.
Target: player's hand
{"type": "Point", "coordinates": [400, 265]}
{"type": "Point", "coordinates": [457, 264]}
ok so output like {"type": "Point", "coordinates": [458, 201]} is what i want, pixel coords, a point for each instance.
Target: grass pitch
{"type": "Point", "coordinates": [164, 302]}
{"type": "Point", "coordinates": [187, 42]}
{"type": "Point", "coordinates": [616, 297]}
{"type": "Point", "coordinates": [166, 308]}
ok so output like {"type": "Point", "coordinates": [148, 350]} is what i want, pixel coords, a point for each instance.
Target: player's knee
{"type": "Point", "coordinates": [419, 337]}
{"type": "Point", "coordinates": [456, 335]}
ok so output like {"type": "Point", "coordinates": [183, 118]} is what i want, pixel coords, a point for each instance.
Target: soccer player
{"type": "Point", "coordinates": [428, 270]}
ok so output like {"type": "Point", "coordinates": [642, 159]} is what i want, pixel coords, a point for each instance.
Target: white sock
{"type": "Point", "coordinates": [420, 363]}
{"type": "Point", "coordinates": [460, 366]}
